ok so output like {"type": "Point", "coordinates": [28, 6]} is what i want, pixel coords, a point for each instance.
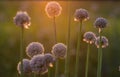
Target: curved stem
{"type": "Point", "coordinates": [21, 49]}
{"type": "Point", "coordinates": [67, 60]}
{"type": "Point", "coordinates": [87, 60]}
{"type": "Point", "coordinates": [99, 57]}
{"type": "Point", "coordinates": [78, 50]}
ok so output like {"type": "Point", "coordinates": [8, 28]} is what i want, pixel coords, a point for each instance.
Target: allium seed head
{"type": "Point", "coordinates": [22, 19]}
{"type": "Point", "coordinates": [34, 48]}
{"type": "Point", "coordinates": [104, 42]}
{"type": "Point", "coordinates": [53, 9]}
{"type": "Point", "coordinates": [38, 65]}
{"type": "Point", "coordinates": [49, 59]}
{"type": "Point", "coordinates": [89, 37]}
{"type": "Point", "coordinates": [59, 50]}
{"type": "Point", "coordinates": [81, 15]}
{"type": "Point", "coordinates": [100, 22]}
{"type": "Point", "coordinates": [26, 66]}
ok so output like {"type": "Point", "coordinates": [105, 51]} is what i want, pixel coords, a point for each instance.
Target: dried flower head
{"type": "Point", "coordinates": [100, 22]}
{"type": "Point", "coordinates": [104, 42]}
{"type": "Point", "coordinates": [26, 66]}
{"type": "Point", "coordinates": [22, 19]}
{"type": "Point", "coordinates": [34, 48]}
{"type": "Point", "coordinates": [53, 9]}
{"type": "Point", "coordinates": [89, 37]}
{"type": "Point", "coordinates": [59, 50]}
{"type": "Point", "coordinates": [49, 59]}
{"type": "Point", "coordinates": [81, 15]}
{"type": "Point", "coordinates": [38, 65]}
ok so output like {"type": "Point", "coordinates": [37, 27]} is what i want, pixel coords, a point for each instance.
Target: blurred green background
{"type": "Point", "coordinates": [41, 30]}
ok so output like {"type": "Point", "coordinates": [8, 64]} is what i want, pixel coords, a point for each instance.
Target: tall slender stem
{"type": "Point", "coordinates": [39, 75]}
{"type": "Point", "coordinates": [35, 75]}
{"type": "Point", "coordinates": [67, 61]}
{"type": "Point", "coordinates": [49, 71]}
{"type": "Point", "coordinates": [99, 57]}
{"type": "Point", "coordinates": [55, 34]}
{"type": "Point", "coordinates": [21, 49]}
{"type": "Point", "coordinates": [78, 50]}
{"type": "Point", "coordinates": [87, 60]}
{"type": "Point", "coordinates": [56, 68]}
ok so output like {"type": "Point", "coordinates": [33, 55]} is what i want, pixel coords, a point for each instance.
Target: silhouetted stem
{"type": "Point", "coordinates": [55, 34]}
{"type": "Point", "coordinates": [56, 68]}
{"type": "Point", "coordinates": [67, 60]}
{"type": "Point", "coordinates": [21, 50]}
{"type": "Point", "coordinates": [35, 75]}
{"type": "Point", "coordinates": [99, 57]}
{"type": "Point", "coordinates": [49, 71]}
{"type": "Point", "coordinates": [87, 60]}
{"type": "Point", "coordinates": [78, 51]}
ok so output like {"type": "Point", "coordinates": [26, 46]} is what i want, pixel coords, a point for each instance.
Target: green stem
{"type": "Point", "coordinates": [39, 75]}
{"type": "Point", "coordinates": [56, 68]}
{"type": "Point", "coordinates": [35, 75]}
{"type": "Point", "coordinates": [21, 50]}
{"type": "Point", "coordinates": [99, 57]}
{"type": "Point", "coordinates": [55, 32]}
{"type": "Point", "coordinates": [67, 61]}
{"type": "Point", "coordinates": [78, 51]}
{"type": "Point", "coordinates": [28, 75]}
{"type": "Point", "coordinates": [49, 71]}
{"type": "Point", "coordinates": [87, 60]}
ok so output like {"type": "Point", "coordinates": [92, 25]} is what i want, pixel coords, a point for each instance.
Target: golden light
{"type": "Point", "coordinates": [51, 65]}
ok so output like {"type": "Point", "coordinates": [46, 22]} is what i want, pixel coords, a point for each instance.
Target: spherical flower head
{"type": "Point", "coordinates": [100, 23]}
{"type": "Point", "coordinates": [22, 19]}
{"type": "Point", "coordinates": [89, 37]}
{"type": "Point", "coordinates": [59, 50]}
{"type": "Point", "coordinates": [34, 48]}
{"type": "Point", "coordinates": [49, 59]}
{"type": "Point", "coordinates": [38, 65]}
{"type": "Point", "coordinates": [53, 9]}
{"type": "Point", "coordinates": [104, 42]}
{"type": "Point", "coordinates": [81, 15]}
{"type": "Point", "coordinates": [26, 66]}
